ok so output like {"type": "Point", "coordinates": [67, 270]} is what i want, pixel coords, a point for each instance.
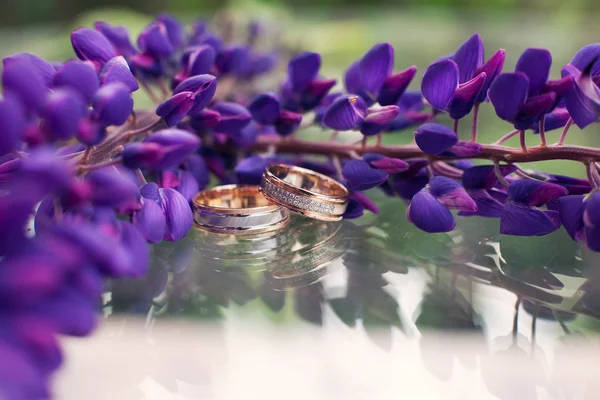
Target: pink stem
{"type": "Point", "coordinates": [565, 130]}
{"type": "Point", "coordinates": [474, 126]}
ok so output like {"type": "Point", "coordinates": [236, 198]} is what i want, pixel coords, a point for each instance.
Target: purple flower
{"type": "Point", "coordinates": [350, 113]}
{"type": "Point", "coordinates": [118, 36]}
{"type": "Point", "coordinates": [154, 41]}
{"type": "Point", "coordinates": [62, 113]}
{"type": "Point", "coordinates": [582, 99]}
{"type": "Point", "coordinates": [41, 66]}
{"type": "Point", "coordinates": [111, 188]}
{"type": "Point", "coordinates": [249, 171]}
{"type": "Point", "coordinates": [429, 208]}
{"type": "Point", "coordinates": [12, 124]}
{"type": "Point", "coordinates": [521, 217]}
{"type": "Point", "coordinates": [408, 183]}
{"type": "Point", "coordinates": [23, 81]}
{"type": "Point", "coordinates": [233, 117]}
{"type": "Point", "coordinates": [175, 30]}
{"type": "Point", "coordinates": [266, 109]}
{"type": "Point", "coordinates": [91, 45]}
{"type": "Point", "coordinates": [203, 88]}
{"type": "Point", "coordinates": [117, 70]}
{"type": "Point", "coordinates": [435, 138]}
{"type": "Point", "coordinates": [386, 164]}
{"type": "Point", "coordinates": [303, 90]}
{"type": "Point", "coordinates": [357, 204]}
{"type": "Point", "coordinates": [173, 214]}
{"type": "Point", "coordinates": [79, 76]}
{"type": "Point", "coordinates": [176, 145]}
{"type": "Point", "coordinates": [175, 108]}
{"type": "Point", "coordinates": [112, 104]}
{"type": "Point", "coordinates": [196, 61]}
{"type": "Point", "coordinates": [410, 105]}
{"type": "Point", "coordinates": [523, 97]}
{"type": "Point", "coordinates": [580, 216]}
{"type": "Point", "coordinates": [481, 183]}
{"type": "Point", "coordinates": [371, 76]}
{"type": "Point", "coordinates": [360, 175]}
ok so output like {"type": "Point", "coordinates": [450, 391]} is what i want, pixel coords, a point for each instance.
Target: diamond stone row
{"type": "Point", "coordinates": [301, 202]}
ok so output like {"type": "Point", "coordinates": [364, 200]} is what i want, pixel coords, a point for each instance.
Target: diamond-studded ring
{"type": "Point", "coordinates": [238, 209]}
{"type": "Point", "coordinates": [305, 192]}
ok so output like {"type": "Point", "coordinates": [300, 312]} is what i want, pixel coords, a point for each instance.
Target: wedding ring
{"type": "Point", "coordinates": [305, 192]}
{"type": "Point", "coordinates": [237, 209]}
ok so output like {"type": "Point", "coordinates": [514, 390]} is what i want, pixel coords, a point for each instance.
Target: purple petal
{"type": "Point", "coordinates": [62, 112]}
{"type": "Point", "coordinates": [352, 78]}
{"type": "Point", "coordinates": [206, 118]}
{"type": "Point", "coordinates": [142, 155]}
{"type": "Point", "coordinates": [197, 166]}
{"type": "Point", "coordinates": [175, 30]}
{"type": "Point", "coordinates": [188, 185]}
{"type": "Point", "coordinates": [462, 148]}
{"type": "Point", "coordinates": [535, 63]}
{"type": "Point", "coordinates": [440, 80]}
{"type": "Point", "coordinates": [113, 104]}
{"type": "Point", "coordinates": [487, 206]}
{"type": "Point", "coordinates": [250, 170]}
{"type": "Point", "coordinates": [343, 115]}
{"type": "Point", "coordinates": [80, 76]}
{"type": "Point", "coordinates": [469, 57]}
{"type": "Point", "coordinates": [533, 109]}
{"type": "Point", "coordinates": [203, 87]}
{"type": "Point", "coordinates": [177, 145]}
{"type": "Point", "coordinates": [375, 67]}
{"type": "Point", "coordinates": [315, 92]}
{"type": "Point", "coordinates": [582, 102]}
{"type": "Point", "coordinates": [492, 69]}
{"type": "Point", "coordinates": [135, 246]}
{"type": "Point", "coordinates": [201, 60]}
{"type": "Point", "coordinates": [448, 192]}
{"type": "Point", "coordinates": [42, 67]}
{"type": "Point", "coordinates": [150, 220]}
{"type": "Point", "coordinates": [287, 122]}
{"type": "Point", "coordinates": [247, 137]}
{"type": "Point", "coordinates": [571, 210]}
{"type": "Point", "coordinates": [178, 212]}
{"type": "Point", "coordinates": [354, 210]}
{"type": "Point", "coordinates": [591, 215]}
{"type": "Point", "coordinates": [110, 188]}
{"type": "Point", "coordinates": [483, 176]}
{"type": "Point", "coordinates": [554, 120]}
{"type": "Point", "coordinates": [25, 83]}
{"type": "Point", "coordinates": [91, 45]}
{"type": "Point", "coordinates": [361, 176]}
{"type": "Point", "coordinates": [154, 39]}
{"type": "Point", "coordinates": [465, 96]}
{"type": "Point", "coordinates": [265, 108]}
{"type": "Point", "coordinates": [533, 192]}
{"type": "Point", "coordinates": [585, 56]}
{"type": "Point", "coordinates": [381, 115]}
{"type": "Point", "coordinates": [175, 108]}
{"type": "Point", "coordinates": [435, 138]}
{"type": "Point", "coordinates": [234, 117]}
{"type": "Point", "coordinates": [411, 100]}
{"type": "Point", "coordinates": [365, 201]}
{"type": "Point", "coordinates": [118, 36]}
{"type": "Point", "coordinates": [390, 165]}
{"type": "Point", "coordinates": [117, 70]}
{"type": "Point", "coordinates": [12, 125]}
{"type": "Point", "coordinates": [394, 86]}
{"type": "Point", "coordinates": [507, 93]}
{"type": "Point", "coordinates": [303, 69]}
{"type": "Point", "coordinates": [520, 220]}
{"type": "Point", "coordinates": [591, 238]}
{"type": "Point", "coordinates": [573, 185]}
{"type": "Point", "coordinates": [559, 86]}
{"type": "Point", "coordinates": [90, 132]}
{"type": "Point", "coordinates": [429, 215]}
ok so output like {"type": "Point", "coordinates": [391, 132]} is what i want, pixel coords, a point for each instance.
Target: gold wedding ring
{"type": "Point", "coordinates": [237, 209]}
{"type": "Point", "coordinates": [305, 192]}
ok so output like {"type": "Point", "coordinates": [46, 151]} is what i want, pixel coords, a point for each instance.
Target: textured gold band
{"type": "Point", "coordinates": [237, 209]}
{"type": "Point", "coordinates": [305, 192]}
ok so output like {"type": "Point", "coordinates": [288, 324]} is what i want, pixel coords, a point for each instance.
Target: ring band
{"type": "Point", "coordinates": [305, 192]}
{"type": "Point", "coordinates": [237, 209]}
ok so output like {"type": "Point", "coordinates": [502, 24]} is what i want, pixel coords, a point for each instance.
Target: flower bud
{"type": "Point", "coordinates": [80, 76]}
{"type": "Point", "coordinates": [112, 104]}
{"type": "Point", "coordinates": [117, 70]}
{"type": "Point", "coordinates": [91, 45]}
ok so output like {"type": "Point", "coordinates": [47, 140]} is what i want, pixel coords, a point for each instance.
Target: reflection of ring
{"type": "Point", "coordinates": [237, 209]}
{"type": "Point", "coordinates": [305, 192]}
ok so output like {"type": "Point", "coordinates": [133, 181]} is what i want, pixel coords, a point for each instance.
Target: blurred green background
{"type": "Point", "coordinates": [342, 30]}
